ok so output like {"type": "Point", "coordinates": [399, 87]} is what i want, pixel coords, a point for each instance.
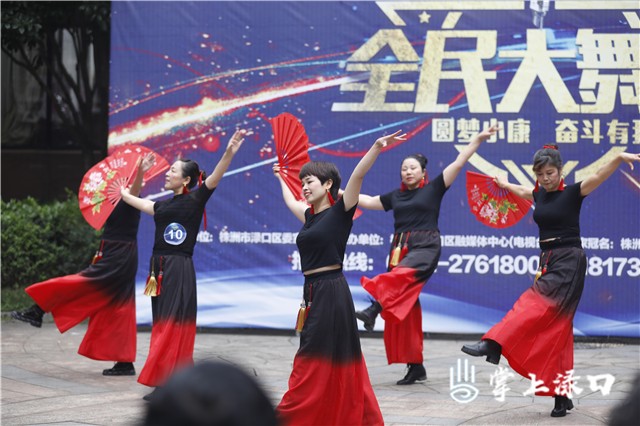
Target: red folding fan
{"type": "Point", "coordinates": [99, 190]}
{"type": "Point", "coordinates": [492, 205]}
{"type": "Point", "coordinates": [292, 146]}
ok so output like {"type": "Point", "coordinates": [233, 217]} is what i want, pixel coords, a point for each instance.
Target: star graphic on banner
{"type": "Point", "coordinates": [424, 17]}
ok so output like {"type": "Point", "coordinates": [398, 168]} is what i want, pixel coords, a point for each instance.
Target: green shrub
{"type": "Point", "coordinates": [44, 241]}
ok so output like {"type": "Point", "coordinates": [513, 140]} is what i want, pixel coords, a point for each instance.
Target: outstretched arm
{"type": "Point", "coordinates": [592, 182]}
{"type": "Point", "coordinates": [223, 164]}
{"type": "Point", "coordinates": [370, 202]}
{"type": "Point", "coordinates": [519, 190]}
{"type": "Point", "coordinates": [451, 172]}
{"type": "Point", "coordinates": [297, 207]}
{"type": "Point", "coordinates": [145, 206]}
{"type": "Point", "coordinates": [352, 190]}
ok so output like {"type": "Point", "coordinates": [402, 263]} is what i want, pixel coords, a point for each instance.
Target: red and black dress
{"type": "Point", "coordinates": [329, 384]}
{"type": "Point", "coordinates": [536, 335]}
{"type": "Point", "coordinates": [417, 236]}
{"type": "Point", "coordinates": [104, 292]}
{"type": "Point", "coordinates": [174, 309]}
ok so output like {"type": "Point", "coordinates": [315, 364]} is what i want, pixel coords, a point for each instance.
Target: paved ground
{"type": "Point", "coordinates": [44, 381]}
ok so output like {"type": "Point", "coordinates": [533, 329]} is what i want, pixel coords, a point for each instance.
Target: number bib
{"type": "Point", "coordinates": [175, 234]}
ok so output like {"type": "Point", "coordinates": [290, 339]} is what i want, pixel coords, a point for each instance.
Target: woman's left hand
{"type": "Point", "coordinates": [236, 141]}
{"type": "Point", "coordinates": [385, 141]}
{"type": "Point", "coordinates": [629, 158]}
{"type": "Point", "coordinates": [487, 133]}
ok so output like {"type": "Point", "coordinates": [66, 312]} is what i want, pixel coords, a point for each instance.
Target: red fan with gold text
{"type": "Point", "coordinates": [492, 205]}
{"type": "Point", "coordinates": [292, 148]}
{"type": "Point", "coordinates": [99, 190]}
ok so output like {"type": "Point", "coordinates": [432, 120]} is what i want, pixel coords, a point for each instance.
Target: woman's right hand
{"type": "Point", "coordinates": [501, 181]}
{"type": "Point", "coordinates": [124, 191]}
{"type": "Point", "coordinates": [276, 170]}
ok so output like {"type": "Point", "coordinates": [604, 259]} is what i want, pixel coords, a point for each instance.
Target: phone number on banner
{"type": "Point", "coordinates": [522, 265]}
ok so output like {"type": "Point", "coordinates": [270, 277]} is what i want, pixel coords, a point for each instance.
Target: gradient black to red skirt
{"type": "Point", "coordinates": [329, 384]}
{"type": "Point", "coordinates": [173, 332]}
{"type": "Point", "coordinates": [536, 335]}
{"type": "Point", "coordinates": [105, 294]}
{"type": "Point", "coordinates": [398, 291]}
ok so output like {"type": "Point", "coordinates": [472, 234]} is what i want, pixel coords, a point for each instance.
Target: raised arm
{"type": "Point", "coordinates": [352, 190]}
{"type": "Point", "coordinates": [144, 165]}
{"type": "Point", "coordinates": [223, 164]}
{"type": "Point", "coordinates": [519, 190]}
{"type": "Point", "coordinates": [592, 182]}
{"type": "Point", "coordinates": [451, 172]}
{"type": "Point", "coordinates": [370, 202]}
{"type": "Point", "coordinates": [297, 207]}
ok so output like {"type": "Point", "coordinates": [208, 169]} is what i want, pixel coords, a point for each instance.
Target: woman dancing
{"type": "Point", "coordinates": [536, 335]}
{"type": "Point", "coordinates": [413, 258]}
{"type": "Point", "coordinates": [174, 305]}
{"type": "Point", "coordinates": [329, 384]}
{"type": "Point", "coordinates": [104, 292]}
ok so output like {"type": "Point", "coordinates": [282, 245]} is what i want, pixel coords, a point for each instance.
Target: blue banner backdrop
{"type": "Point", "coordinates": [184, 75]}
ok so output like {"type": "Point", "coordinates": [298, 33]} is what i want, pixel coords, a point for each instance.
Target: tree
{"type": "Point", "coordinates": [33, 36]}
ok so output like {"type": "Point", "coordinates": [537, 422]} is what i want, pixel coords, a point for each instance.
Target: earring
{"type": "Point", "coordinates": [185, 190]}
{"type": "Point", "coordinates": [331, 200]}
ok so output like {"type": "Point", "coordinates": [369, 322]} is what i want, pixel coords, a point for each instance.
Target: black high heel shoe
{"type": "Point", "coordinates": [487, 347]}
{"type": "Point", "coordinates": [562, 405]}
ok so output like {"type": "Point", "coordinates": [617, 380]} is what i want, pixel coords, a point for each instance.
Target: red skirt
{"type": "Point", "coordinates": [536, 335]}
{"type": "Point", "coordinates": [173, 333]}
{"type": "Point", "coordinates": [103, 293]}
{"type": "Point", "coordinates": [329, 384]}
{"type": "Point", "coordinates": [398, 291]}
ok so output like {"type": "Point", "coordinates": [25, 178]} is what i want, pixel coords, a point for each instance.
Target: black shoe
{"type": "Point", "coordinates": [487, 347]}
{"type": "Point", "coordinates": [415, 373]}
{"type": "Point", "coordinates": [150, 396]}
{"type": "Point", "coordinates": [368, 316]}
{"type": "Point", "coordinates": [562, 405]}
{"type": "Point", "coordinates": [120, 369]}
{"type": "Point", "coordinates": [33, 315]}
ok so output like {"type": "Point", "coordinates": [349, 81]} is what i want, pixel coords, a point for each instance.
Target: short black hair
{"type": "Point", "coordinates": [324, 171]}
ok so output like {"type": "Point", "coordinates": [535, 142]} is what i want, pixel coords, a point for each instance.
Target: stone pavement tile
{"type": "Point", "coordinates": [60, 385]}
{"type": "Point", "coordinates": [44, 381]}
{"type": "Point", "coordinates": [18, 390]}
